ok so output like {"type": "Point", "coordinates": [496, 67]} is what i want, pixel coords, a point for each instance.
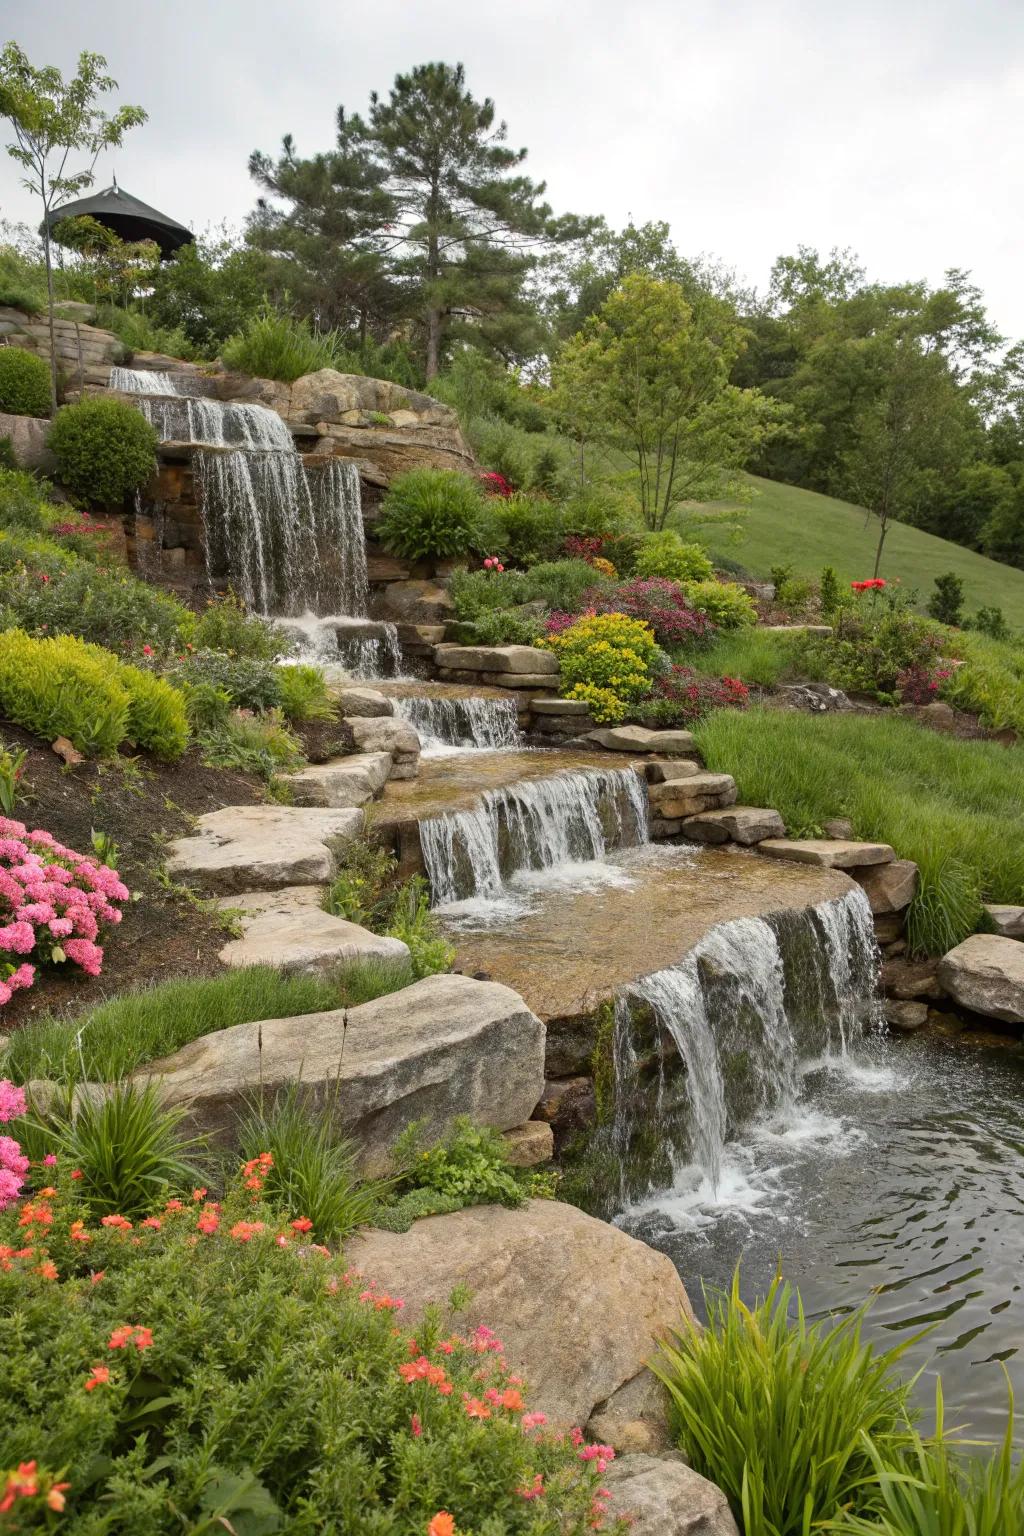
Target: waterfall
{"type": "Point", "coordinates": [192, 419]}
{"type": "Point", "coordinates": [703, 1047]}
{"type": "Point", "coordinates": [142, 381]}
{"type": "Point", "coordinates": [536, 824]}
{"type": "Point", "coordinates": [287, 539]}
{"type": "Point", "coordinates": [488, 724]}
{"type": "Point", "coordinates": [370, 658]}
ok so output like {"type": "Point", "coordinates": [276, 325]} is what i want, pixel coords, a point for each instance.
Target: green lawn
{"type": "Point", "coordinates": [787, 525]}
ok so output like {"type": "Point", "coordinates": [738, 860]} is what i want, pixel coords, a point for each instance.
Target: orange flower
{"type": "Point", "coordinates": [152, 1221]}
{"type": "Point", "coordinates": [78, 1234]}
{"type": "Point", "coordinates": [208, 1222]}
{"type": "Point", "coordinates": [48, 1270]}
{"type": "Point", "coordinates": [55, 1498]}
{"type": "Point", "coordinates": [120, 1222]}
{"type": "Point", "coordinates": [475, 1409]}
{"type": "Point", "coordinates": [512, 1400]}
{"type": "Point", "coordinates": [120, 1338]}
{"type": "Point", "coordinates": [198, 1194]}
{"type": "Point", "coordinates": [244, 1230]}
{"type": "Point", "coordinates": [301, 1224]}
{"type": "Point", "coordinates": [99, 1378]}
{"type": "Point", "coordinates": [49, 1193]}
{"type": "Point", "coordinates": [143, 1338]}
{"type": "Point", "coordinates": [443, 1524]}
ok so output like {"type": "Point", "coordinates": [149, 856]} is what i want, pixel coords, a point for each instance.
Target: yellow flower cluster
{"type": "Point", "coordinates": [605, 658]}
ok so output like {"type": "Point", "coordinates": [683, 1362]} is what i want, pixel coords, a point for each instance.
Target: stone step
{"type": "Point", "coordinates": [637, 738]}
{"type": "Point", "coordinates": [676, 799]}
{"type": "Point", "coordinates": [263, 847]}
{"type": "Point", "coordinates": [290, 930]}
{"type": "Point", "coordinates": [746, 824]}
{"type": "Point", "coordinates": [354, 700]}
{"type": "Point", "coordinates": [831, 853]}
{"type": "Point", "coordinates": [342, 783]}
{"type": "Point", "coordinates": [889, 887]}
{"type": "Point", "coordinates": [382, 733]}
{"type": "Point", "coordinates": [497, 658]}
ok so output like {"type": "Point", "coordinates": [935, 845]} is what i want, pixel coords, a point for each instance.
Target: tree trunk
{"type": "Point", "coordinates": [884, 529]}
{"type": "Point", "coordinates": [49, 308]}
{"type": "Point", "coordinates": [433, 342]}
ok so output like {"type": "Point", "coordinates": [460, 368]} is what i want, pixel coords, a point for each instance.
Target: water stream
{"type": "Point", "coordinates": [565, 823]}
{"type": "Point", "coordinates": [458, 724]}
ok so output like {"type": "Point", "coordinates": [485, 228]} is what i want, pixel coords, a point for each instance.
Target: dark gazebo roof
{"type": "Point", "coordinates": [129, 218]}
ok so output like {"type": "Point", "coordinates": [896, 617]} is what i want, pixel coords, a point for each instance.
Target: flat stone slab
{"type": "Point", "coordinates": [677, 798]}
{"type": "Point", "coordinates": [496, 658]}
{"type": "Point", "coordinates": [986, 974]}
{"type": "Point", "coordinates": [746, 824]}
{"type": "Point", "coordinates": [1008, 920]}
{"type": "Point", "coordinates": [290, 930]}
{"type": "Point", "coordinates": [577, 1304]}
{"type": "Point", "coordinates": [444, 1047]}
{"type": "Point", "coordinates": [342, 783]}
{"type": "Point", "coordinates": [383, 734]}
{"type": "Point", "coordinates": [830, 853]}
{"type": "Point", "coordinates": [889, 887]}
{"type": "Point", "coordinates": [637, 738]}
{"type": "Point", "coordinates": [363, 701]}
{"type": "Point", "coordinates": [263, 847]}
{"type": "Point", "coordinates": [662, 1496]}
{"type": "Point", "coordinates": [675, 768]}
{"type": "Point", "coordinates": [517, 679]}
{"type": "Point", "coordinates": [579, 708]}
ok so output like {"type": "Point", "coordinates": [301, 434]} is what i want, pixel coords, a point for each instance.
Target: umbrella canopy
{"type": "Point", "coordinates": [129, 218]}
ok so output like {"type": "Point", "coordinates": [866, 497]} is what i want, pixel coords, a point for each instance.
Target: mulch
{"type": "Point", "coordinates": [141, 804]}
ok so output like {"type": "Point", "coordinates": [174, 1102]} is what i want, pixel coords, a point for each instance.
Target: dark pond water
{"type": "Point", "coordinates": [899, 1178]}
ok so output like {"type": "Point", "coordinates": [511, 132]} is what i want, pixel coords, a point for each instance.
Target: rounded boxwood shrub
{"type": "Point", "coordinates": [104, 449]}
{"type": "Point", "coordinates": [725, 602]}
{"type": "Point", "coordinates": [24, 383]}
{"type": "Point", "coordinates": [431, 513]}
{"type": "Point", "coordinates": [665, 554]}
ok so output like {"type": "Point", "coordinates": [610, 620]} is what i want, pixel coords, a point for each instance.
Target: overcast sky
{"type": "Point", "coordinates": [891, 126]}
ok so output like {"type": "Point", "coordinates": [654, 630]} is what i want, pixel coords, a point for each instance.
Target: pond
{"type": "Point", "coordinates": [899, 1179]}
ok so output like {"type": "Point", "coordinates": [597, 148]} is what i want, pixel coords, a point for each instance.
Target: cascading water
{"type": "Point", "coordinates": [537, 824]}
{"type": "Point", "coordinates": [486, 724]}
{"type": "Point", "coordinates": [705, 1047]}
{"type": "Point", "coordinates": [289, 540]}
{"type": "Point", "coordinates": [371, 657]}
{"type": "Point", "coordinates": [182, 419]}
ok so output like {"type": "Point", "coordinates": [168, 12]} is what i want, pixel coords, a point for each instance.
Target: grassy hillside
{"type": "Point", "coordinates": [786, 525]}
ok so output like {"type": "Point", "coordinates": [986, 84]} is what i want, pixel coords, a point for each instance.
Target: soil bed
{"type": "Point", "coordinates": [140, 803]}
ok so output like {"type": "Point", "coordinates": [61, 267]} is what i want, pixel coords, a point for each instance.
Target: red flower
{"type": "Point", "coordinates": [99, 1378]}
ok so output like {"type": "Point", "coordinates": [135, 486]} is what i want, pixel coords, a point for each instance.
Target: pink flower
{"type": "Point", "coordinates": [531, 1420]}
{"type": "Point", "coordinates": [416, 1426]}
{"type": "Point", "coordinates": [147, 650]}
{"type": "Point", "coordinates": [12, 1103]}
{"type": "Point", "coordinates": [50, 1160]}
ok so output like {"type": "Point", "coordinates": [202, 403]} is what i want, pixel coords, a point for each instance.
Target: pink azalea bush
{"type": "Point", "coordinates": [54, 905]}
{"type": "Point", "coordinates": [13, 1165]}
{"type": "Point", "coordinates": [658, 602]}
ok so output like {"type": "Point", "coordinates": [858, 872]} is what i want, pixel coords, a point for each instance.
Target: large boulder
{"type": "Point", "coordinates": [355, 700]}
{"type": "Point", "coordinates": [986, 974]}
{"type": "Point", "coordinates": [263, 847]}
{"type": "Point", "coordinates": [27, 436]}
{"type": "Point", "coordinates": [1009, 921]}
{"type": "Point", "coordinates": [444, 1047]}
{"type": "Point", "coordinates": [388, 734]}
{"type": "Point", "coordinates": [665, 1497]}
{"type": "Point", "coordinates": [418, 602]}
{"type": "Point", "coordinates": [289, 929]}
{"type": "Point", "coordinates": [578, 1305]}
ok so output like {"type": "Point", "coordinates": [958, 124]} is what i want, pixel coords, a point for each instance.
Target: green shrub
{"type": "Point", "coordinates": [24, 383]}
{"type": "Point", "coordinates": [262, 745]}
{"type": "Point", "coordinates": [315, 1170]}
{"type": "Point", "coordinates": [22, 285]}
{"type": "Point", "coordinates": [114, 1038]}
{"type": "Point", "coordinates": [157, 716]}
{"type": "Point", "coordinates": [257, 1390]}
{"type": "Point", "coordinates": [414, 923]}
{"type": "Point", "coordinates": [62, 687]}
{"type": "Point", "coordinates": [8, 458]}
{"type": "Point", "coordinates": [990, 681]}
{"type": "Point", "coordinates": [431, 513]}
{"type": "Point", "coordinates": [506, 628]}
{"type": "Point", "coordinates": [21, 501]}
{"type": "Point", "coordinates": [274, 346]}
{"type": "Point", "coordinates": [366, 891]}
{"type": "Point", "coordinates": [990, 621]}
{"type": "Point", "coordinates": [224, 625]}
{"type": "Point", "coordinates": [521, 528]}
{"type": "Point", "coordinates": [477, 592]}
{"type": "Point", "coordinates": [303, 694]}
{"type": "Point", "coordinates": [139, 334]}
{"type": "Point", "coordinates": [946, 603]}
{"type": "Point", "coordinates": [248, 681]}
{"type": "Point", "coordinates": [868, 653]}
{"type": "Point", "coordinates": [725, 602]}
{"type": "Point", "coordinates": [128, 1149]}
{"type": "Point", "coordinates": [600, 510]}
{"type": "Point", "coordinates": [49, 590]}
{"type": "Point", "coordinates": [830, 593]}
{"type": "Point", "coordinates": [470, 1165]}
{"type": "Point", "coordinates": [665, 554]}
{"type": "Point", "coordinates": [104, 449]}
{"type": "Point", "coordinates": [562, 584]}
{"type": "Point", "coordinates": [784, 1415]}
{"type": "Point", "coordinates": [605, 660]}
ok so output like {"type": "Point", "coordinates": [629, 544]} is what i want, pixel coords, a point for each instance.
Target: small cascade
{"type": "Point", "coordinates": [371, 658]}
{"type": "Point", "coordinates": [486, 724]}
{"type": "Point", "coordinates": [702, 1048]}
{"type": "Point", "coordinates": [142, 381]}
{"type": "Point", "coordinates": [191, 419]}
{"type": "Point", "coordinates": [288, 540]}
{"type": "Point", "coordinates": [536, 824]}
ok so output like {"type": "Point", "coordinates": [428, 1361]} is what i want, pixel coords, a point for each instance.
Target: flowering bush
{"type": "Point", "coordinates": [209, 1366]}
{"type": "Point", "coordinates": [606, 660]}
{"type": "Point", "coordinates": [495, 484]}
{"type": "Point", "coordinates": [873, 655]}
{"type": "Point", "coordinates": [682, 695]}
{"type": "Point", "coordinates": [920, 683]}
{"type": "Point", "coordinates": [660, 603]}
{"type": "Point", "coordinates": [54, 905]}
